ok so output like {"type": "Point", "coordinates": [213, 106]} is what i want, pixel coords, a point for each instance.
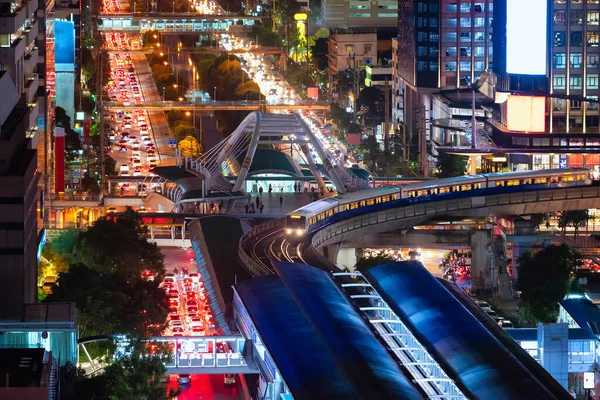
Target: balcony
{"type": "Point", "coordinates": [10, 23]}
{"type": "Point", "coordinates": [31, 32]}
{"type": "Point", "coordinates": [30, 61]}
{"type": "Point", "coordinates": [31, 87]}
{"type": "Point", "coordinates": [10, 55]}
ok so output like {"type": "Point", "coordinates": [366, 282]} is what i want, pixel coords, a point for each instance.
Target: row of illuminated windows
{"type": "Point", "coordinates": [468, 22]}
{"type": "Point", "coordinates": [560, 17]}
{"type": "Point", "coordinates": [478, 51]}
{"type": "Point", "coordinates": [561, 104]}
{"type": "Point", "coordinates": [559, 81]}
{"type": "Point", "coordinates": [575, 60]}
{"type": "Point", "coordinates": [541, 180]}
{"type": "Point", "coordinates": [466, 7]}
{"type": "Point", "coordinates": [555, 142]}
{"type": "Point", "coordinates": [592, 39]}
{"type": "Point", "coordinates": [427, 36]}
{"type": "Point", "coordinates": [464, 66]}
{"type": "Point", "coordinates": [466, 37]}
{"type": "Point", "coordinates": [368, 202]}
{"type": "Point", "coordinates": [443, 190]}
{"type": "Point", "coordinates": [576, 1]}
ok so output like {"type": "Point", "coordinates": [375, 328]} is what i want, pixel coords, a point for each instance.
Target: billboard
{"type": "Point", "coordinates": [64, 45]}
{"type": "Point", "coordinates": [526, 113]}
{"type": "Point", "coordinates": [526, 32]}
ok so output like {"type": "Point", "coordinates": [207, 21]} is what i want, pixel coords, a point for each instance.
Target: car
{"type": "Point", "coordinates": [173, 310]}
{"type": "Point", "coordinates": [190, 316]}
{"type": "Point", "coordinates": [190, 294]}
{"type": "Point", "coordinates": [506, 324]}
{"type": "Point", "coordinates": [192, 309]}
{"type": "Point", "coordinates": [135, 145]}
{"type": "Point", "coordinates": [483, 304]}
{"type": "Point", "coordinates": [173, 302]}
{"type": "Point", "coordinates": [198, 330]}
{"type": "Point", "coordinates": [184, 379]}
{"type": "Point", "coordinates": [124, 168]}
{"type": "Point", "coordinates": [229, 380]}
{"type": "Point", "coordinates": [193, 276]}
{"type": "Point", "coordinates": [111, 209]}
{"type": "Point", "coordinates": [111, 136]}
{"type": "Point", "coordinates": [174, 317]}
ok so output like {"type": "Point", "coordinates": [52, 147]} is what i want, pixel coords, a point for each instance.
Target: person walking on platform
{"type": "Point", "coordinates": [270, 188]}
{"type": "Point", "coordinates": [261, 207]}
{"type": "Point", "coordinates": [260, 190]}
{"type": "Point", "coordinates": [280, 201]}
{"type": "Point", "coordinates": [257, 201]}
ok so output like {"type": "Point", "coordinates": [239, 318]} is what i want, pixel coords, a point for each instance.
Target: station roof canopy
{"type": "Point", "coordinates": [320, 344]}
{"type": "Point", "coordinates": [583, 311]}
{"type": "Point", "coordinates": [269, 160]}
{"type": "Point", "coordinates": [480, 365]}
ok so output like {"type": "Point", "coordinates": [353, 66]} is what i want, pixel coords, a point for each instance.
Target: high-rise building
{"type": "Point", "coordinates": [19, 84]}
{"type": "Point", "coordinates": [356, 14]}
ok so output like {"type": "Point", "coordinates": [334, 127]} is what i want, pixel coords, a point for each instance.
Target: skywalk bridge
{"type": "Point", "coordinates": [210, 106]}
{"type": "Point", "coordinates": [179, 23]}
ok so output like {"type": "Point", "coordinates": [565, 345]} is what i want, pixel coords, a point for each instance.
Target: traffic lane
{"type": "Point", "coordinates": [175, 257]}
{"type": "Point", "coordinates": [207, 387]}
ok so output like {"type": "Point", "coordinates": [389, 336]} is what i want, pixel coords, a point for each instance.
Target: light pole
{"type": "Point", "coordinates": [215, 94]}
{"type": "Point", "coordinates": [173, 7]}
{"type": "Point", "coordinates": [163, 93]}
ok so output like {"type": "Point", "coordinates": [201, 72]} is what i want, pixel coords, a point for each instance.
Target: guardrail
{"type": "Point", "coordinates": [74, 197]}
{"type": "Point", "coordinates": [544, 199]}
{"type": "Point", "coordinates": [255, 267]}
{"type": "Point", "coordinates": [233, 103]}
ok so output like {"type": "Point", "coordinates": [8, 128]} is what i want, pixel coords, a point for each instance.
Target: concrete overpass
{"type": "Point", "coordinates": [210, 106]}
{"type": "Point", "coordinates": [179, 23]}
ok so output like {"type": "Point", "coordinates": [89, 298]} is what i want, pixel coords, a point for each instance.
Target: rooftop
{"type": "Point", "coordinates": [584, 312]}
{"type": "Point", "coordinates": [21, 367]}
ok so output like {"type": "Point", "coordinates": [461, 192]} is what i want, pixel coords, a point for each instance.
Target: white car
{"type": "Point", "coordinates": [124, 168]}
{"type": "Point", "coordinates": [135, 145]}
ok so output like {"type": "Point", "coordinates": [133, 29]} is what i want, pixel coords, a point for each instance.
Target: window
{"type": "Point", "coordinates": [421, 51]}
{"type": "Point", "coordinates": [576, 60]}
{"type": "Point", "coordinates": [422, 7]}
{"type": "Point", "coordinates": [421, 36]}
{"type": "Point", "coordinates": [592, 17]}
{"type": "Point", "coordinates": [465, 36]}
{"type": "Point", "coordinates": [560, 39]}
{"type": "Point", "coordinates": [433, 22]}
{"type": "Point", "coordinates": [559, 17]}
{"type": "Point", "coordinates": [558, 104]}
{"type": "Point", "coordinates": [575, 104]}
{"type": "Point", "coordinates": [480, 51]}
{"type": "Point", "coordinates": [450, 51]}
{"type": "Point", "coordinates": [349, 48]}
{"type": "Point", "coordinates": [451, 7]}
{"type": "Point", "coordinates": [433, 51]}
{"type": "Point", "coordinates": [479, 7]}
{"type": "Point", "coordinates": [576, 17]}
{"type": "Point", "coordinates": [465, 52]}
{"type": "Point", "coordinates": [433, 66]}
{"type": "Point", "coordinates": [560, 60]}
{"type": "Point", "coordinates": [592, 81]}
{"type": "Point", "coordinates": [434, 37]}
{"type": "Point", "coordinates": [576, 38]}
{"type": "Point", "coordinates": [559, 81]}
{"type": "Point", "coordinates": [451, 22]}
{"type": "Point", "coordinates": [451, 37]}
{"type": "Point", "coordinates": [465, 66]}
{"type": "Point", "coordinates": [421, 66]}
{"type": "Point", "coordinates": [368, 48]}
{"type": "Point", "coordinates": [465, 7]}
{"type": "Point", "coordinates": [575, 81]}
{"type": "Point", "coordinates": [433, 8]}
{"type": "Point", "coordinates": [421, 22]}
{"type": "Point", "coordinates": [593, 103]}
{"type": "Point", "coordinates": [465, 22]}
{"type": "Point", "coordinates": [479, 37]}
{"type": "Point", "coordinates": [592, 60]}
{"type": "Point", "coordinates": [479, 65]}
{"type": "Point", "coordinates": [451, 66]}
{"type": "Point", "coordinates": [479, 22]}
{"type": "Point", "coordinates": [592, 39]}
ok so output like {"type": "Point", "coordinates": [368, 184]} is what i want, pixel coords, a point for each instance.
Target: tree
{"type": "Point", "coordinates": [575, 218]}
{"type": "Point", "coordinates": [72, 139]}
{"type": "Point", "coordinates": [371, 98]}
{"type": "Point", "coordinates": [110, 303]}
{"type": "Point", "coordinates": [368, 262]}
{"type": "Point", "coordinates": [119, 245]}
{"type": "Point", "coordinates": [136, 375]}
{"type": "Point", "coordinates": [183, 130]}
{"type": "Point", "coordinates": [110, 166]}
{"type": "Point", "coordinates": [190, 147]}
{"type": "Point", "coordinates": [61, 250]}
{"type": "Point", "coordinates": [320, 52]}
{"type": "Point", "coordinates": [90, 184]}
{"type": "Point", "coordinates": [450, 165]}
{"type": "Point", "coordinates": [229, 66]}
{"type": "Point", "coordinates": [544, 280]}
{"type": "Point", "coordinates": [248, 87]}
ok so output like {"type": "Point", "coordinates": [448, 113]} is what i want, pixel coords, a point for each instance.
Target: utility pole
{"type": "Point", "coordinates": [102, 145]}
{"type": "Point", "coordinates": [386, 123]}
{"type": "Point", "coordinates": [422, 136]}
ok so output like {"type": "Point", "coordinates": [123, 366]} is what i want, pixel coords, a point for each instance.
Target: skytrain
{"type": "Point", "coordinates": [324, 212]}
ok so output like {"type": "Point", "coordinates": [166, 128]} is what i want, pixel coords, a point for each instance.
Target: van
{"type": "Point", "coordinates": [48, 284]}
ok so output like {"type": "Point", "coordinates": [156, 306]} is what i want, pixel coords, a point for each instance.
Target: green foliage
{"type": "Point", "coordinates": [72, 140]}
{"type": "Point", "coordinates": [247, 88]}
{"type": "Point", "coordinates": [319, 51]}
{"type": "Point", "coordinates": [368, 262]}
{"type": "Point", "coordinates": [451, 165]}
{"type": "Point", "coordinates": [190, 147]}
{"type": "Point", "coordinates": [119, 246]}
{"type": "Point", "coordinates": [574, 218]}
{"type": "Point", "coordinates": [110, 166]}
{"type": "Point", "coordinates": [112, 302]}
{"type": "Point", "coordinates": [90, 184]}
{"type": "Point", "coordinates": [135, 376]}
{"type": "Point", "coordinates": [148, 38]}
{"type": "Point", "coordinates": [544, 281]}
{"type": "Point", "coordinates": [61, 250]}
{"type": "Point", "coordinates": [371, 104]}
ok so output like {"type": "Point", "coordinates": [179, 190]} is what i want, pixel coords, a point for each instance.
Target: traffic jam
{"type": "Point", "coordinates": [130, 133]}
{"type": "Point", "coordinates": [189, 311]}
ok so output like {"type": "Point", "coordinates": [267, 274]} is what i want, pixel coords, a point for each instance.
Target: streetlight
{"type": "Point", "coordinates": [215, 94]}
{"type": "Point", "coordinates": [166, 63]}
{"type": "Point", "coordinates": [173, 7]}
{"type": "Point", "coordinates": [164, 93]}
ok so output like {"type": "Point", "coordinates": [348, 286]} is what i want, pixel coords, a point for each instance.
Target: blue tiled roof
{"type": "Point", "coordinates": [479, 364]}
{"type": "Point", "coordinates": [373, 371]}
{"type": "Point", "coordinates": [308, 368]}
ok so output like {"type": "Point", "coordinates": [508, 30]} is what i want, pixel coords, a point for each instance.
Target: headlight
{"type": "Point", "coordinates": [299, 232]}
{"type": "Point", "coordinates": [288, 231]}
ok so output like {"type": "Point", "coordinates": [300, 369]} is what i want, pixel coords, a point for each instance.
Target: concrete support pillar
{"type": "Point", "coordinates": [472, 165]}
{"type": "Point", "coordinates": [173, 232]}
{"type": "Point", "coordinates": [480, 261]}
{"type": "Point", "coordinates": [152, 232]}
{"type": "Point", "coordinates": [553, 345]}
{"type": "Point", "coordinates": [346, 258]}
{"type": "Point", "coordinates": [331, 252]}
{"type": "Point", "coordinates": [313, 167]}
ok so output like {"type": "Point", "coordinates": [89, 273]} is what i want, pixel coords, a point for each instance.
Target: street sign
{"type": "Point", "coordinates": [588, 380]}
{"type": "Point", "coordinates": [172, 142]}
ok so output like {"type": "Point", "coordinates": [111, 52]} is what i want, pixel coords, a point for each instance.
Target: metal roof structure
{"type": "Point", "coordinates": [321, 351]}
{"type": "Point", "coordinates": [583, 311]}
{"type": "Point", "coordinates": [480, 365]}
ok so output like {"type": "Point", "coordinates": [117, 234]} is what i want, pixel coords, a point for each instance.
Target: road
{"type": "Point", "coordinates": [202, 386]}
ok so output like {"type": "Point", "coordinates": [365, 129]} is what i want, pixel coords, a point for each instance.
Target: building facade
{"type": "Point", "coordinates": [356, 13]}
{"type": "Point", "coordinates": [19, 111]}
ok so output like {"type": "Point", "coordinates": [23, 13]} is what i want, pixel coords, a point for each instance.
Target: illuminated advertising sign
{"type": "Point", "coordinates": [526, 37]}
{"type": "Point", "coordinates": [526, 113]}
{"type": "Point", "coordinates": [64, 45]}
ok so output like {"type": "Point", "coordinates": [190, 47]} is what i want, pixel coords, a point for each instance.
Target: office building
{"type": "Point", "coordinates": [19, 111]}
{"type": "Point", "coordinates": [358, 14]}
{"type": "Point", "coordinates": [30, 374]}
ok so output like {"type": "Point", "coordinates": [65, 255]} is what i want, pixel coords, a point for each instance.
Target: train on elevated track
{"type": "Point", "coordinates": [324, 212]}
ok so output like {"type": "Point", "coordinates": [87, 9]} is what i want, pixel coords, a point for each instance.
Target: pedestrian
{"type": "Point", "coordinates": [261, 207]}
{"type": "Point", "coordinates": [122, 190]}
{"type": "Point", "coordinates": [212, 206]}
{"type": "Point", "coordinates": [249, 198]}
{"type": "Point", "coordinates": [280, 201]}
{"type": "Point", "coordinates": [260, 190]}
{"type": "Point", "coordinates": [281, 189]}
{"type": "Point", "coordinates": [257, 201]}
{"type": "Point", "coordinates": [295, 188]}
{"type": "Point", "coordinates": [305, 189]}
{"type": "Point", "coordinates": [247, 208]}
{"type": "Point", "coordinates": [270, 188]}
